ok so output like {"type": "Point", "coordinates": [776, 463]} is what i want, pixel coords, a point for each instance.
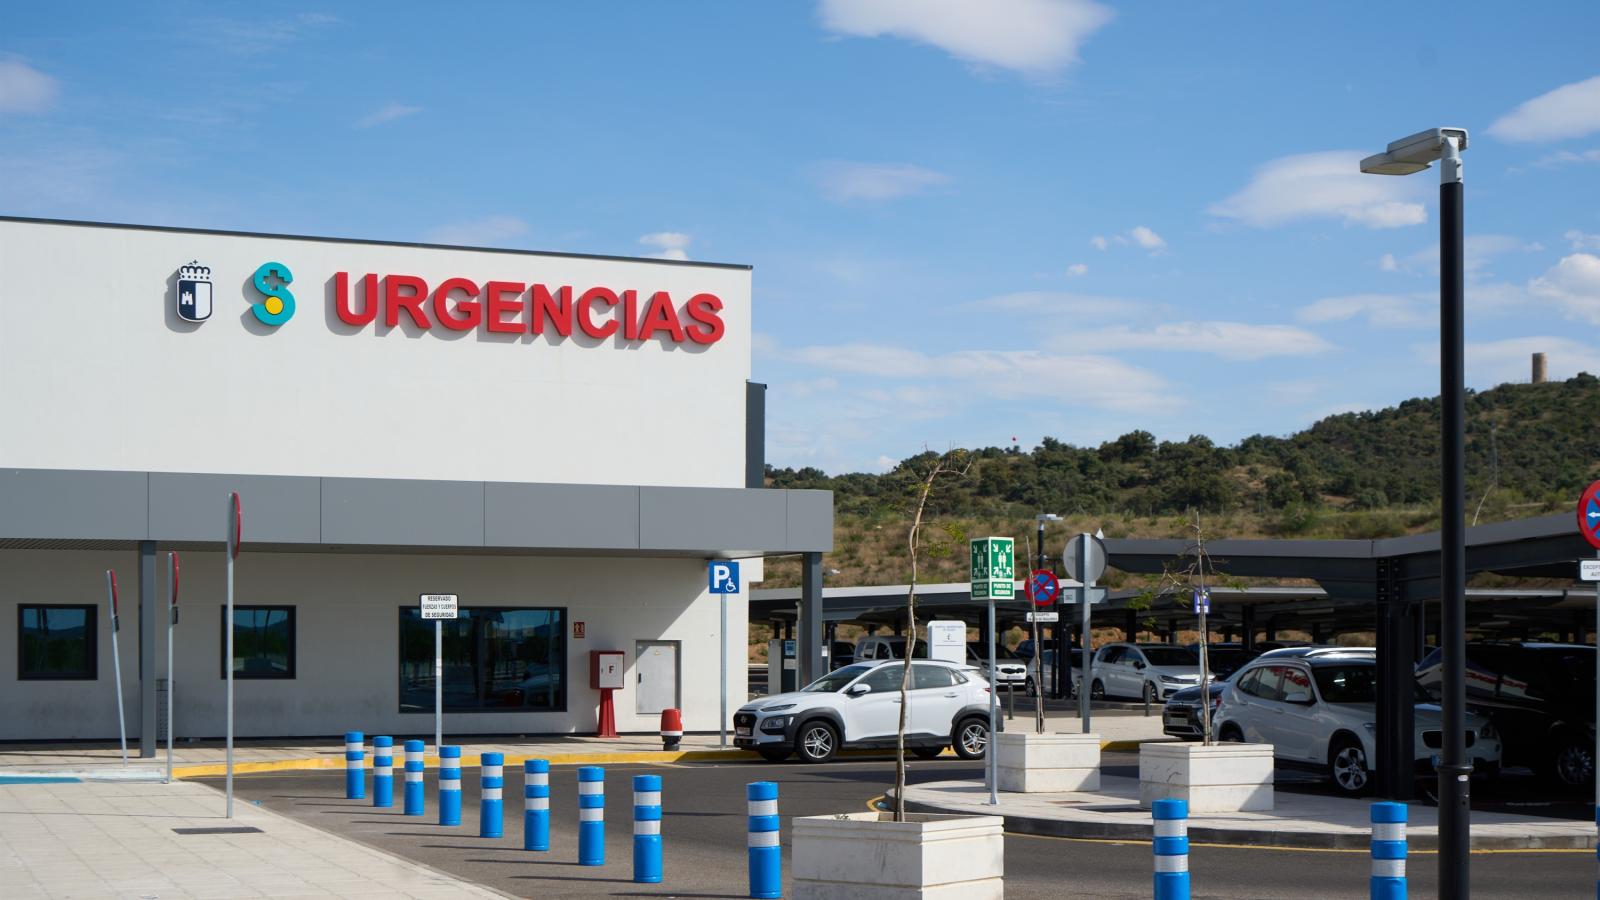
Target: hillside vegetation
{"type": "Point", "coordinates": [1531, 449]}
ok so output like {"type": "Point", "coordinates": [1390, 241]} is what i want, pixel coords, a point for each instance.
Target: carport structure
{"type": "Point", "coordinates": [1393, 579]}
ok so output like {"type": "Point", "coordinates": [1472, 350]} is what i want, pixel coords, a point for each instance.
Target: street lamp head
{"type": "Point", "coordinates": [1416, 153]}
{"type": "Point", "coordinates": [1047, 517]}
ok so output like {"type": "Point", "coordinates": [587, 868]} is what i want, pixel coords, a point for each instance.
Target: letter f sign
{"type": "Point", "coordinates": [724, 576]}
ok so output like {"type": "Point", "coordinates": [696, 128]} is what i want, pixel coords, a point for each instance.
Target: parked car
{"type": "Point", "coordinates": [859, 706]}
{"type": "Point", "coordinates": [1224, 659]}
{"type": "Point", "coordinates": [1181, 716]}
{"type": "Point", "coordinates": [1319, 710]}
{"type": "Point", "coordinates": [1012, 674]}
{"type": "Point", "coordinates": [840, 654]}
{"type": "Point", "coordinates": [1540, 698]}
{"type": "Point", "coordinates": [1149, 671]}
{"type": "Point", "coordinates": [880, 647]}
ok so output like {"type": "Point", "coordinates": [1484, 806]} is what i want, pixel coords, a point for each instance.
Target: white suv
{"type": "Point", "coordinates": [859, 706]}
{"type": "Point", "coordinates": [1320, 711]}
{"type": "Point", "coordinates": [1147, 671]}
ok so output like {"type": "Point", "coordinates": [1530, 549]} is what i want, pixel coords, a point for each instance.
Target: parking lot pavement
{"type": "Point", "coordinates": [704, 837]}
{"type": "Point", "coordinates": [121, 839]}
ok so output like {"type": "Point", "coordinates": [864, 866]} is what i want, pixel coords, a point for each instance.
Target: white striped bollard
{"type": "Point", "coordinates": [382, 771]}
{"type": "Point", "coordinates": [491, 817]}
{"type": "Point", "coordinates": [536, 804]}
{"type": "Point", "coordinates": [761, 840]}
{"type": "Point", "coordinates": [414, 801]}
{"type": "Point", "coordinates": [647, 829]}
{"type": "Point", "coordinates": [1171, 846]}
{"type": "Point", "coordinates": [1388, 851]}
{"type": "Point", "coordinates": [355, 754]}
{"type": "Point", "coordinates": [591, 816]}
{"type": "Point", "coordinates": [449, 785]}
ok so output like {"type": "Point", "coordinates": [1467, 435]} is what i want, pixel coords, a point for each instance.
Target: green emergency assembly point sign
{"type": "Point", "coordinates": [994, 568]}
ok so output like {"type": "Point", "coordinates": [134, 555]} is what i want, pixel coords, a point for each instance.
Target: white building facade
{"type": "Point", "coordinates": [561, 441]}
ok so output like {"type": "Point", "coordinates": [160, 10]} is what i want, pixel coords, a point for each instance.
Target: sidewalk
{"type": "Point", "coordinates": [196, 759]}
{"type": "Point", "coordinates": [118, 840]}
{"type": "Point", "coordinates": [1298, 820]}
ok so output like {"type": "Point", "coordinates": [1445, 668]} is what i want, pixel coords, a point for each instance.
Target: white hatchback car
{"type": "Point", "coordinates": [1146, 671]}
{"type": "Point", "coordinates": [859, 706]}
{"type": "Point", "coordinates": [1320, 711]}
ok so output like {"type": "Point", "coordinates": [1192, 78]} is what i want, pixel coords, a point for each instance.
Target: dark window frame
{"type": "Point", "coordinates": [222, 644]}
{"type": "Point", "coordinates": [564, 669]}
{"type": "Point", "coordinates": [91, 636]}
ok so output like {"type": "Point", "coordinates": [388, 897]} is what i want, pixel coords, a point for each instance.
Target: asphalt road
{"type": "Point", "coordinates": [704, 829]}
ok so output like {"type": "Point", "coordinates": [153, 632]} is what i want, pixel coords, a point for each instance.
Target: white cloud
{"type": "Point", "coordinates": [1238, 341]}
{"type": "Point", "coordinates": [483, 232]}
{"type": "Point", "coordinates": [1387, 263]}
{"type": "Point", "coordinates": [669, 244]}
{"type": "Point", "coordinates": [1098, 242]}
{"type": "Point", "coordinates": [844, 182]}
{"type": "Point", "coordinates": [1569, 111]}
{"type": "Point", "coordinates": [251, 37]}
{"type": "Point", "coordinates": [388, 113]}
{"type": "Point", "coordinates": [1567, 157]}
{"type": "Point", "coordinates": [1063, 303]}
{"type": "Point", "coordinates": [885, 463]}
{"type": "Point", "coordinates": [1380, 310]}
{"type": "Point", "coordinates": [1146, 238]}
{"type": "Point", "coordinates": [1323, 185]}
{"type": "Point", "coordinates": [1031, 36]}
{"type": "Point", "coordinates": [1077, 269]}
{"type": "Point", "coordinates": [1582, 241]}
{"type": "Point", "coordinates": [24, 89]}
{"type": "Point", "coordinates": [1511, 359]}
{"type": "Point", "coordinates": [1479, 251]}
{"type": "Point", "coordinates": [1138, 234]}
{"type": "Point", "coordinates": [1573, 284]}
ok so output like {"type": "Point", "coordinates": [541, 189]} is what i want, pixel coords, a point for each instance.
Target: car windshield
{"type": "Point", "coordinates": [1347, 684]}
{"type": "Point", "coordinates": [837, 679]}
{"type": "Point", "coordinates": [981, 651]}
{"type": "Point", "coordinates": [1169, 656]}
{"type": "Point", "coordinates": [898, 646]}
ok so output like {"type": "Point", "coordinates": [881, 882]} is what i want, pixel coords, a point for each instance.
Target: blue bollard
{"type": "Point", "coordinates": [449, 785]}
{"type": "Point", "coordinates": [536, 804]}
{"type": "Point", "coordinates": [647, 829]}
{"type": "Point", "coordinates": [414, 768]}
{"type": "Point", "coordinates": [1171, 847]}
{"type": "Point", "coordinates": [761, 840]}
{"type": "Point", "coordinates": [382, 772]}
{"type": "Point", "coordinates": [491, 816]}
{"type": "Point", "coordinates": [1388, 851]}
{"type": "Point", "coordinates": [591, 816]}
{"type": "Point", "coordinates": [355, 754]}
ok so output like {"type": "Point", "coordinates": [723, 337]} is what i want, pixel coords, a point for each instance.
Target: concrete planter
{"type": "Point", "coordinates": [1031, 762]}
{"type": "Point", "coordinates": [869, 856]}
{"type": "Point", "coordinates": [1220, 778]}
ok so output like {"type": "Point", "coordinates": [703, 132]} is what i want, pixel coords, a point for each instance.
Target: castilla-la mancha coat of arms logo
{"type": "Point", "coordinates": [194, 292]}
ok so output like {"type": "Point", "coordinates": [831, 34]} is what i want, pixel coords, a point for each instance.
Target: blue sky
{"type": "Point", "coordinates": [969, 221]}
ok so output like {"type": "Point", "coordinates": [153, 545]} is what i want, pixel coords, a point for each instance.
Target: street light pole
{"type": "Point", "coordinates": [1404, 157]}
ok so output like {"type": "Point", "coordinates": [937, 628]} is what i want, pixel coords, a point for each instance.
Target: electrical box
{"type": "Point", "coordinates": [947, 640]}
{"type": "Point", "coordinates": [605, 669]}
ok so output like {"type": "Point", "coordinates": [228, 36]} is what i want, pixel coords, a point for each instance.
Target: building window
{"type": "Point", "coordinates": [57, 642]}
{"type": "Point", "coordinates": [263, 642]}
{"type": "Point", "coordinates": [509, 659]}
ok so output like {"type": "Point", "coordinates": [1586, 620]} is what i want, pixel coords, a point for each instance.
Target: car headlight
{"type": "Point", "coordinates": [1487, 732]}
{"type": "Point", "coordinates": [776, 724]}
{"type": "Point", "coordinates": [1174, 679]}
{"type": "Point", "coordinates": [779, 708]}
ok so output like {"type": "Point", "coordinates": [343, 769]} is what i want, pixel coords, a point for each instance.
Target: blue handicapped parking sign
{"type": "Point", "coordinates": [723, 576]}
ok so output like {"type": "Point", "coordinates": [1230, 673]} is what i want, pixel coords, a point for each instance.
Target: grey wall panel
{"type": "Point", "coordinates": [579, 516]}
{"type": "Point", "coordinates": [393, 511]}
{"type": "Point", "coordinates": [710, 518]}
{"type": "Point", "coordinates": [47, 504]}
{"type": "Point", "coordinates": [810, 520]}
{"type": "Point", "coordinates": [276, 509]}
{"type": "Point", "coordinates": [755, 434]}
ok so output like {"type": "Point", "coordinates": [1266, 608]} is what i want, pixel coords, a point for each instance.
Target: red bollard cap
{"type": "Point", "coordinates": [671, 723]}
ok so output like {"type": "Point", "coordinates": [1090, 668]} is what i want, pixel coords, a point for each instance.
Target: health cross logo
{"type": "Point", "coordinates": [272, 280]}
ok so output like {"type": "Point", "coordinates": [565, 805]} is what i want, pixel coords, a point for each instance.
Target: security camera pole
{"type": "Point", "coordinates": [1404, 157]}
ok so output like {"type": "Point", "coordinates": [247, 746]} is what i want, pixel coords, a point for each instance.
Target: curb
{"type": "Point", "coordinates": [1265, 837]}
{"type": "Point", "coordinates": [559, 759]}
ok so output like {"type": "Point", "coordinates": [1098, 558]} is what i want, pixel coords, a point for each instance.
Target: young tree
{"type": "Point", "coordinates": [929, 471]}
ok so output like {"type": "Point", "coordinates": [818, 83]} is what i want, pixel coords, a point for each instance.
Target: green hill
{"type": "Point", "coordinates": [1531, 449]}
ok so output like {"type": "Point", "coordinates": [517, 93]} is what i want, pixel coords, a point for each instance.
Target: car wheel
{"type": "Point", "coordinates": [1230, 734]}
{"type": "Point", "coordinates": [1151, 695]}
{"type": "Point", "coordinates": [1572, 764]}
{"type": "Point", "coordinates": [773, 754]}
{"type": "Point", "coordinates": [817, 742]}
{"type": "Point", "coordinates": [1097, 690]}
{"type": "Point", "coordinates": [927, 752]}
{"type": "Point", "coordinates": [971, 738]}
{"type": "Point", "coordinates": [1347, 767]}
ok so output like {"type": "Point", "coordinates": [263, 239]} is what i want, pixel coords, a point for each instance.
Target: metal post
{"type": "Point", "coordinates": [172, 622]}
{"type": "Point", "coordinates": [438, 683]}
{"type": "Point", "coordinates": [116, 663]}
{"type": "Point", "coordinates": [992, 760]}
{"type": "Point", "coordinates": [1087, 679]}
{"type": "Point", "coordinates": [809, 639]}
{"type": "Point", "coordinates": [1038, 646]}
{"type": "Point", "coordinates": [235, 516]}
{"type": "Point", "coordinates": [147, 649]}
{"type": "Point", "coordinates": [1455, 826]}
{"type": "Point", "coordinates": [722, 642]}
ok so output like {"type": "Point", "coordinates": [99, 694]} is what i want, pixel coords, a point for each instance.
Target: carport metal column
{"type": "Point", "coordinates": [1396, 712]}
{"type": "Point", "coordinates": [147, 648]}
{"type": "Point", "coordinates": [809, 651]}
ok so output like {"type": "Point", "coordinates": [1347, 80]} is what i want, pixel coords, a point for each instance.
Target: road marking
{"type": "Point", "coordinates": [1363, 850]}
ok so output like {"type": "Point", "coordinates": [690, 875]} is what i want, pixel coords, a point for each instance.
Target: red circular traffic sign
{"type": "Point", "coordinates": [1589, 515]}
{"type": "Point", "coordinates": [1043, 587]}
